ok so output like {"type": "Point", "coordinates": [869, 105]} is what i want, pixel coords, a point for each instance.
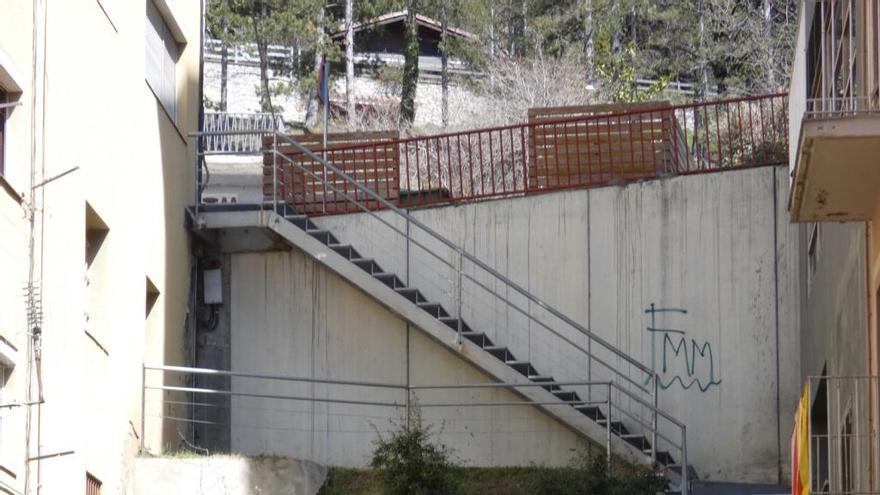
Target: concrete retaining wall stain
{"type": "Point", "coordinates": [716, 245]}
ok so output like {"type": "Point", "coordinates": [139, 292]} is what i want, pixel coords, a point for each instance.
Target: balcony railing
{"type": "Point", "coordinates": [843, 58]}
{"type": "Point", "coordinates": [238, 133]}
{"type": "Point", "coordinates": [843, 441]}
{"type": "Point", "coordinates": [625, 144]}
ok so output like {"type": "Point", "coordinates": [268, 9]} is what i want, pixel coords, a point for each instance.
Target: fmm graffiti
{"type": "Point", "coordinates": [676, 341]}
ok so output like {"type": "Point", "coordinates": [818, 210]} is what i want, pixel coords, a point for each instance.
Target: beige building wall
{"type": "Point", "coordinates": [93, 111]}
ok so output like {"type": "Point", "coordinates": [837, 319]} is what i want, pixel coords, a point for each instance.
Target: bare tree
{"type": "Point", "coordinates": [444, 63]}
{"type": "Point", "coordinates": [589, 44]}
{"type": "Point", "coordinates": [312, 107]}
{"type": "Point", "coordinates": [349, 62]}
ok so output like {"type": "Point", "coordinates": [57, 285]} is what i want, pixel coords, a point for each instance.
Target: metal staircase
{"type": "Point", "coordinates": [480, 314]}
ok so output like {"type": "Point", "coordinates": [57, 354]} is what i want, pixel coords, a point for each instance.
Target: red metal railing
{"type": "Point", "coordinates": [545, 155]}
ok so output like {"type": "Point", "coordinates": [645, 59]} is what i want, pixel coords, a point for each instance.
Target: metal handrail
{"type": "Point", "coordinates": [463, 254]}
{"type": "Point", "coordinates": [414, 221]}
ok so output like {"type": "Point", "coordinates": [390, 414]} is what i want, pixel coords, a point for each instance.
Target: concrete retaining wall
{"type": "Point", "coordinates": [714, 254]}
{"type": "Point", "coordinates": [270, 475]}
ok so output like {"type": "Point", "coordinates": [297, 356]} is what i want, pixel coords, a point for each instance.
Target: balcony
{"type": "Point", "coordinates": [836, 173]}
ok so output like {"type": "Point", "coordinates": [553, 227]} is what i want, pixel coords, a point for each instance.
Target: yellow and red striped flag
{"type": "Point", "coordinates": [800, 446]}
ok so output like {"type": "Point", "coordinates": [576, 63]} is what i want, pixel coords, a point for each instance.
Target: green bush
{"type": "Point", "coordinates": [589, 475]}
{"type": "Point", "coordinates": [409, 463]}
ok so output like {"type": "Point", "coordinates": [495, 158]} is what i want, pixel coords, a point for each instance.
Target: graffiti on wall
{"type": "Point", "coordinates": [675, 358]}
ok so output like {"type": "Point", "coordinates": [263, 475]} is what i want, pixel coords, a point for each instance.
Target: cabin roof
{"type": "Point", "coordinates": [400, 16]}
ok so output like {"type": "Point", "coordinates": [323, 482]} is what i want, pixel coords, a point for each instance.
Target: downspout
{"type": "Point", "coordinates": [34, 364]}
{"type": "Point", "coordinates": [776, 323]}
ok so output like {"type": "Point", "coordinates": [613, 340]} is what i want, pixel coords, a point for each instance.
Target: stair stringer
{"type": "Point", "coordinates": [432, 327]}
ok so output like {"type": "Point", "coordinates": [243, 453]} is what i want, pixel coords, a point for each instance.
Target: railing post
{"type": "Point", "coordinates": [275, 172]}
{"type": "Point", "coordinates": [143, 406]}
{"type": "Point", "coordinates": [460, 321]}
{"type": "Point", "coordinates": [685, 472]}
{"type": "Point", "coordinates": [655, 400]}
{"type": "Point", "coordinates": [608, 432]}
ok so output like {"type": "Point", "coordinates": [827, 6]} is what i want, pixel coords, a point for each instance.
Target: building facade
{"type": "Point", "coordinates": [835, 171]}
{"type": "Point", "coordinates": [98, 97]}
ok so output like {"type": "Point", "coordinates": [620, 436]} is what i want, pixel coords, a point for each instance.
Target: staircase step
{"type": "Point", "coordinates": [617, 427]}
{"type": "Point", "coordinates": [545, 378]}
{"type": "Point", "coordinates": [390, 280]}
{"type": "Point", "coordinates": [412, 294]}
{"type": "Point", "coordinates": [367, 265]}
{"type": "Point", "coordinates": [434, 309]}
{"type": "Point", "coordinates": [664, 458]}
{"type": "Point", "coordinates": [345, 250]}
{"type": "Point", "coordinates": [592, 412]}
{"type": "Point", "coordinates": [523, 367]}
{"type": "Point", "coordinates": [322, 235]}
{"type": "Point", "coordinates": [452, 322]}
{"type": "Point", "coordinates": [500, 352]}
{"type": "Point", "coordinates": [567, 396]}
{"type": "Point", "coordinates": [637, 441]}
{"type": "Point", "coordinates": [478, 338]}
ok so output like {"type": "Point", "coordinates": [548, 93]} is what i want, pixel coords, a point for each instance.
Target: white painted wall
{"type": "Point", "coordinates": [227, 475]}
{"type": "Point", "coordinates": [703, 243]}
{"type": "Point", "coordinates": [290, 316]}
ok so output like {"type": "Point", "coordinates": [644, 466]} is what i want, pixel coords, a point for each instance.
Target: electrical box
{"type": "Point", "coordinates": [213, 286]}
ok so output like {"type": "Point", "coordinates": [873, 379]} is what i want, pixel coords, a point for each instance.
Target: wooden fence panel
{"type": "Point", "coordinates": [371, 158]}
{"type": "Point", "coordinates": [583, 145]}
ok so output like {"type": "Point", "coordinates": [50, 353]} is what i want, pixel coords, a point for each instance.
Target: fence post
{"type": "Point", "coordinates": [655, 400]}
{"type": "Point", "coordinates": [685, 473]}
{"type": "Point", "coordinates": [460, 322]}
{"type": "Point", "coordinates": [275, 172]}
{"type": "Point", "coordinates": [608, 432]}
{"type": "Point", "coordinates": [143, 406]}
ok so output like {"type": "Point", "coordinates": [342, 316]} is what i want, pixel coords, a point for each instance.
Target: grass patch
{"type": "Point", "coordinates": [529, 480]}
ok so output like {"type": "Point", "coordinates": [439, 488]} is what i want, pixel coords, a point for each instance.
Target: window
{"type": "Point", "coordinates": [847, 481]}
{"type": "Point", "coordinates": [2, 398]}
{"type": "Point", "coordinates": [2, 130]}
{"type": "Point", "coordinates": [93, 485]}
{"type": "Point", "coordinates": [97, 272]}
{"type": "Point", "coordinates": [812, 253]}
{"type": "Point", "coordinates": [162, 55]}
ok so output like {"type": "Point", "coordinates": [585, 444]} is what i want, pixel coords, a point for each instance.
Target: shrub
{"type": "Point", "coordinates": [589, 475]}
{"type": "Point", "coordinates": [410, 463]}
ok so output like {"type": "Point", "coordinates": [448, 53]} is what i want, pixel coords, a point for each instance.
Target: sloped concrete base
{"type": "Point", "coordinates": [227, 475]}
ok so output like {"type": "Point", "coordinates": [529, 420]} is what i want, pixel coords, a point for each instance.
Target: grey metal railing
{"type": "Point", "coordinates": [160, 401]}
{"type": "Point", "coordinates": [486, 299]}
{"type": "Point", "coordinates": [844, 58]}
{"type": "Point", "coordinates": [238, 133]}
{"type": "Point", "coordinates": [482, 296]}
{"type": "Point", "coordinates": [843, 442]}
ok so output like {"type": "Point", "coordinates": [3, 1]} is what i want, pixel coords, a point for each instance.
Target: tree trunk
{"type": "Point", "coordinates": [589, 44]}
{"type": "Point", "coordinates": [224, 68]}
{"type": "Point", "coordinates": [263, 52]}
{"type": "Point", "coordinates": [410, 67]}
{"type": "Point", "coordinates": [633, 18]}
{"type": "Point", "coordinates": [703, 87]}
{"type": "Point", "coordinates": [349, 64]}
{"type": "Point", "coordinates": [444, 65]}
{"type": "Point", "coordinates": [312, 106]}
{"type": "Point", "coordinates": [492, 44]}
{"type": "Point", "coordinates": [617, 19]}
{"type": "Point", "coordinates": [768, 38]}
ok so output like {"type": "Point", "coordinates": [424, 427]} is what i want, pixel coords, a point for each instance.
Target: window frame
{"type": "Point", "coordinates": [171, 35]}
{"type": "Point", "coordinates": [4, 96]}
{"type": "Point", "coordinates": [813, 233]}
